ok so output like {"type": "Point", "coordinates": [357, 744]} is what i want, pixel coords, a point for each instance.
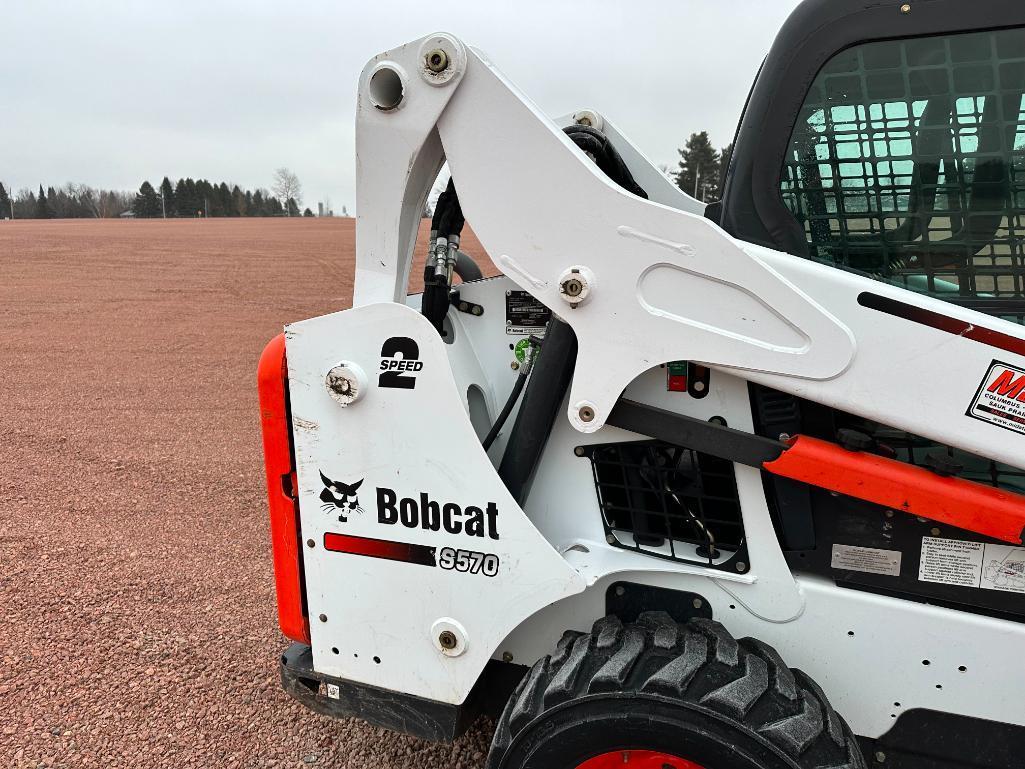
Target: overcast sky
{"type": "Point", "coordinates": [111, 92]}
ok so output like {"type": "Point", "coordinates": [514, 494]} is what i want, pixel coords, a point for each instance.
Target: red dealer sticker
{"type": "Point", "coordinates": [1000, 399]}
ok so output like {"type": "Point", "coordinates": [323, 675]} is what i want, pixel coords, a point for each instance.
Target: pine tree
{"type": "Point", "coordinates": [25, 205]}
{"type": "Point", "coordinates": [43, 209]}
{"type": "Point", "coordinates": [238, 202]}
{"type": "Point", "coordinates": [5, 204]}
{"type": "Point", "coordinates": [224, 198]}
{"type": "Point", "coordinates": [307, 212]}
{"type": "Point", "coordinates": [181, 201]}
{"type": "Point", "coordinates": [698, 173]}
{"type": "Point", "coordinates": [167, 194]}
{"type": "Point", "coordinates": [206, 198]}
{"type": "Point", "coordinates": [293, 207]}
{"type": "Point", "coordinates": [195, 199]}
{"type": "Point", "coordinates": [259, 207]}
{"type": "Point", "coordinates": [147, 204]}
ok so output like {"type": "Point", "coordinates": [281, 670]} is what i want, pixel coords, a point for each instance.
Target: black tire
{"type": "Point", "coordinates": [691, 691]}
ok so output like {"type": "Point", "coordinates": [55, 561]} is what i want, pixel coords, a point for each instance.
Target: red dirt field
{"type": "Point", "coordinates": [139, 626]}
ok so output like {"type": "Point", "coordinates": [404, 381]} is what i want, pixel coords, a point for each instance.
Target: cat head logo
{"type": "Point", "coordinates": [341, 497]}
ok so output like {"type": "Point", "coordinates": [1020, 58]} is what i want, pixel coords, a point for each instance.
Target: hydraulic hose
{"type": "Point", "coordinates": [552, 372]}
{"type": "Point", "coordinates": [496, 428]}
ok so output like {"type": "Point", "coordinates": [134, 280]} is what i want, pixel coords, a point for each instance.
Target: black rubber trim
{"type": "Point", "coordinates": [416, 716]}
{"type": "Point", "coordinates": [930, 739]}
{"type": "Point", "coordinates": [706, 437]}
{"type": "Point", "coordinates": [399, 712]}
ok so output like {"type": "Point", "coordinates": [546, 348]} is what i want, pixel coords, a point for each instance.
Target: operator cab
{"type": "Point", "coordinates": [904, 159]}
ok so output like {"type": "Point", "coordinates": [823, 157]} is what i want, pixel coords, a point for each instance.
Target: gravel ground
{"type": "Point", "coordinates": [139, 626]}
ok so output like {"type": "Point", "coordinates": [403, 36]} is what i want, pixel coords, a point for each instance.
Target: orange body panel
{"type": "Point", "coordinates": [968, 505]}
{"type": "Point", "coordinates": [272, 378]}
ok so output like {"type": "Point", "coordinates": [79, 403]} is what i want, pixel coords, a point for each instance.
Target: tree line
{"type": "Point", "coordinates": [192, 199]}
{"type": "Point", "coordinates": [186, 198]}
{"type": "Point", "coordinates": [698, 173]}
{"type": "Point", "coordinates": [72, 201]}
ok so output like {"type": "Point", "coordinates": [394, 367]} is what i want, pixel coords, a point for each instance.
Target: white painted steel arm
{"type": "Point", "coordinates": [665, 284]}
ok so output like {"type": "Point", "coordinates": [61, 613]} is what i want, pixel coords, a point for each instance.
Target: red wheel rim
{"type": "Point", "coordinates": [637, 759]}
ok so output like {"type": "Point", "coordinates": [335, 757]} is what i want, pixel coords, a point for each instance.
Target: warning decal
{"type": "Point", "coordinates": [973, 564]}
{"type": "Point", "coordinates": [1000, 399]}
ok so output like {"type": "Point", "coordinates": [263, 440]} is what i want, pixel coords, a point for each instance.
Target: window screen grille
{"type": "Point", "coordinates": [908, 163]}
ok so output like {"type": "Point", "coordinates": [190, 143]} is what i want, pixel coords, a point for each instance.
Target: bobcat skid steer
{"type": "Point", "coordinates": [733, 487]}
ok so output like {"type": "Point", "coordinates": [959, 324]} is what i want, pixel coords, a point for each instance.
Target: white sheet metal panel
{"type": "Point", "coordinates": [408, 442]}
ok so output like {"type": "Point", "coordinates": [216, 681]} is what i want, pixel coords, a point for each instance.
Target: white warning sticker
{"type": "Point", "coordinates": [869, 559]}
{"type": "Point", "coordinates": [1000, 399]}
{"type": "Point", "coordinates": [333, 691]}
{"type": "Point", "coordinates": [973, 564]}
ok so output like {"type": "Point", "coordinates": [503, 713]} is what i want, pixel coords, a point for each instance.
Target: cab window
{"type": "Point", "coordinates": [907, 163]}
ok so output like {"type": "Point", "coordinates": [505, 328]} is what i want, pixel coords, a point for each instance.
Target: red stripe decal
{"type": "Point", "coordinates": [943, 322]}
{"type": "Point", "coordinates": [380, 548]}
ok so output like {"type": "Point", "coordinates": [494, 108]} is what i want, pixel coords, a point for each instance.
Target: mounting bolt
{"type": "Point", "coordinates": [436, 60]}
{"type": "Point", "coordinates": [611, 539]}
{"type": "Point", "coordinates": [575, 285]}
{"type": "Point", "coordinates": [580, 451]}
{"type": "Point", "coordinates": [880, 756]}
{"type": "Point", "coordinates": [463, 307]}
{"type": "Point", "coordinates": [586, 414]}
{"type": "Point", "coordinates": [589, 118]}
{"type": "Point", "coordinates": [572, 287]}
{"type": "Point", "coordinates": [476, 310]}
{"type": "Point", "coordinates": [906, 8]}
{"type": "Point", "coordinates": [741, 567]}
{"type": "Point", "coordinates": [346, 383]}
{"type": "Point", "coordinates": [323, 618]}
{"type": "Point", "coordinates": [507, 657]}
{"type": "Point", "coordinates": [515, 365]}
{"type": "Point", "coordinates": [697, 603]}
{"type": "Point", "coordinates": [934, 531]}
{"type": "Point", "coordinates": [889, 513]}
{"type": "Point", "coordinates": [447, 639]}
{"type": "Point", "coordinates": [311, 543]}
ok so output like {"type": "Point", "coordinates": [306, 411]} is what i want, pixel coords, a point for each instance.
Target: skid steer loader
{"type": "Point", "coordinates": [723, 487]}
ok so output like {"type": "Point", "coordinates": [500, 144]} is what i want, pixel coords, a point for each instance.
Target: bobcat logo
{"type": "Point", "coordinates": [340, 496]}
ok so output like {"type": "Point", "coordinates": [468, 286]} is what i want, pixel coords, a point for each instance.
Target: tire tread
{"type": "Point", "coordinates": [700, 663]}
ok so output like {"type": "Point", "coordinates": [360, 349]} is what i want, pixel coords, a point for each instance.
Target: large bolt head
{"type": "Point", "coordinates": [346, 383]}
{"type": "Point", "coordinates": [575, 285]}
{"type": "Point", "coordinates": [449, 637]}
{"type": "Point", "coordinates": [436, 60]}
